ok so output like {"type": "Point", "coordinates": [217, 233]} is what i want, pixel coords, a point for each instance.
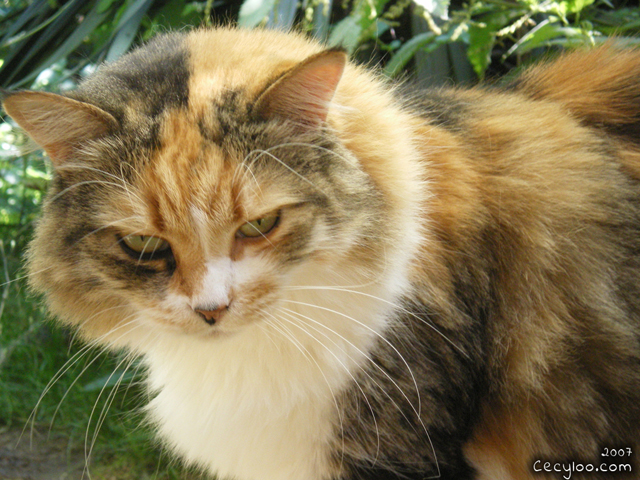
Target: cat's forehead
{"type": "Point", "coordinates": [184, 105]}
{"type": "Point", "coordinates": [191, 180]}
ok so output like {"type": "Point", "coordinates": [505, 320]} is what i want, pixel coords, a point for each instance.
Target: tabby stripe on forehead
{"type": "Point", "coordinates": [138, 88]}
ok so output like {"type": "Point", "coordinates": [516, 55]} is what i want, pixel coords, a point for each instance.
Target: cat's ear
{"type": "Point", "coordinates": [303, 93]}
{"type": "Point", "coordinates": [56, 123]}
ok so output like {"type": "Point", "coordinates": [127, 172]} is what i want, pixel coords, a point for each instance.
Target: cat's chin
{"type": "Point", "coordinates": [197, 330]}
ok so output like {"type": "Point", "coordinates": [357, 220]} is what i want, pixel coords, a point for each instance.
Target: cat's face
{"type": "Point", "coordinates": [197, 222]}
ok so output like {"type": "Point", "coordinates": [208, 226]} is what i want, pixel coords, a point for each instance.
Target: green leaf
{"type": "Point", "coordinates": [90, 22]}
{"type": "Point", "coordinates": [254, 12]}
{"type": "Point", "coordinates": [407, 51]}
{"type": "Point", "coordinates": [346, 34]}
{"type": "Point", "coordinates": [544, 33]}
{"type": "Point", "coordinates": [437, 8]}
{"type": "Point", "coordinates": [62, 18]}
{"type": "Point", "coordinates": [109, 381]}
{"type": "Point", "coordinates": [321, 19]}
{"type": "Point", "coordinates": [481, 41]}
{"type": "Point", "coordinates": [574, 6]}
{"type": "Point", "coordinates": [33, 11]}
{"type": "Point", "coordinates": [104, 5]}
{"type": "Point", "coordinates": [127, 28]}
{"type": "Point", "coordinates": [283, 14]}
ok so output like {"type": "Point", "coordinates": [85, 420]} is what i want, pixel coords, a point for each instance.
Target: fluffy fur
{"type": "Point", "coordinates": [451, 288]}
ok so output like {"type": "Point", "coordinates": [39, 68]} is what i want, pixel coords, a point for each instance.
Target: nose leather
{"type": "Point", "coordinates": [211, 314]}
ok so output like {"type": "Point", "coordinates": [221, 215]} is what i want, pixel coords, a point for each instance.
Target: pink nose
{"type": "Point", "coordinates": [211, 313]}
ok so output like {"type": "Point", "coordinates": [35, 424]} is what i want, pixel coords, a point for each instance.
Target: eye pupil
{"type": "Point", "coordinates": [141, 246]}
{"type": "Point", "coordinates": [258, 227]}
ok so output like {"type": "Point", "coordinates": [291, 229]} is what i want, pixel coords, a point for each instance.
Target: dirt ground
{"type": "Point", "coordinates": [38, 458]}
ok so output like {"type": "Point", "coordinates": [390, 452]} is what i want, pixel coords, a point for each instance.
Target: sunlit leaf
{"type": "Point", "coordinates": [254, 12]}
{"type": "Point", "coordinates": [346, 34]}
{"type": "Point", "coordinates": [481, 41]}
{"type": "Point", "coordinates": [574, 6]}
{"type": "Point", "coordinates": [407, 51]}
{"type": "Point", "coordinates": [127, 29]}
{"type": "Point", "coordinates": [437, 8]}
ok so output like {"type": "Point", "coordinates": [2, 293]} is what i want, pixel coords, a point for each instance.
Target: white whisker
{"type": "Point", "coordinates": [79, 184]}
{"type": "Point", "coordinates": [400, 308]}
{"type": "Point", "coordinates": [346, 369]}
{"type": "Point", "coordinates": [300, 317]}
{"type": "Point", "coordinates": [382, 337]}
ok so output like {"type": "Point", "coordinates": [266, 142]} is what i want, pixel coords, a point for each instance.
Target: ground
{"type": "Point", "coordinates": [38, 458]}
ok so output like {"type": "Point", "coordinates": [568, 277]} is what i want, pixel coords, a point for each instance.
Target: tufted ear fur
{"type": "Point", "coordinates": [303, 93]}
{"type": "Point", "coordinates": [56, 123]}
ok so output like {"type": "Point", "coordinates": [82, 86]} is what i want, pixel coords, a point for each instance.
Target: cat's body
{"type": "Point", "coordinates": [442, 286]}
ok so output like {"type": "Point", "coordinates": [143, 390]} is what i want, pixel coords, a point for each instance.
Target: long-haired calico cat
{"type": "Point", "coordinates": [327, 280]}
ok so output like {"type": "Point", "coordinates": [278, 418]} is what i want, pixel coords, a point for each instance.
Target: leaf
{"type": "Point", "coordinates": [63, 17]}
{"type": "Point", "coordinates": [321, 19]}
{"type": "Point", "coordinates": [437, 8]}
{"type": "Point", "coordinates": [173, 16]}
{"type": "Point", "coordinates": [346, 34]}
{"type": "Point", "coordinates": [574, 6]}
{"type": "Point", "coordinates": [254, 12]}
{"type": "Point", "coordinates": [127, 29]}
{"type": "Point", "coordinates": [90, 22]}
{"type": "Point", "coordinates": [113, 380]}
{"type": "Point", "coordinates": [481, 41]}
{"type": "Point", "coordinates": [407, 51]}
{"type": "Point", "coordinates": [104, 5]}
{"type": "Point", "coordinates": [543, 33]}
{"type": "Point", "coordinates": [31, 12]}
{"type": "Point", "coordinates": [283, 14]}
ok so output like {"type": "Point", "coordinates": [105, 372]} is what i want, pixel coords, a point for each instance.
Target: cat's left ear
{"type": "Point", "coordinates": [303, 93]}
{"type": "Point", "coordinates": [56, 123]}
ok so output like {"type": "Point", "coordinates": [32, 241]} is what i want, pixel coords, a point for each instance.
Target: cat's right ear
{"type": "Point", "coordinates": [56, 123]}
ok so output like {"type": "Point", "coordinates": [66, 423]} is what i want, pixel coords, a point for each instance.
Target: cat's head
{"type": "Point", "coordinates": [191, 189]}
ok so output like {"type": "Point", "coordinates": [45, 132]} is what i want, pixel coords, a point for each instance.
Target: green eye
{"type": "Point", "coordinates": [146, 244]}
{"type": "Point", "coordinates": [258, 227]}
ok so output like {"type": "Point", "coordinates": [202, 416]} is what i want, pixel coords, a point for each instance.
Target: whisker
{"type": "Point", "coordinates": [364, 395]}
{"type": "Point", "coordinates": [93, 344]}
{"type": "Point", "coordinates": [266, 152]}
{"type": "Point", "coordinates": [67, 365]}
{"type": "Point", "coordinates": [382, 337]}
{"type": "Point", "coordinates": [129, 359]}
{"type": "Point", "coordinates": [333, 395]}
{"type": "Point", "coordinates": [300, 316]}
{"type": "Point", "coordinates": [400, 308]}
{"type": "Point", "coordinates": [79, 184]}
{"type": "Point", "coordinates": [17, 279]}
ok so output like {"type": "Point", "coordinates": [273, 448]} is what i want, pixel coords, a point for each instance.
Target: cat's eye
{"type": "Point", "coordinates": [258, 227]}
{"type": "Point", "coordinates": [145, 245]}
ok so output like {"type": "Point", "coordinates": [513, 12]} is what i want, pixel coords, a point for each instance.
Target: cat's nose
{"type": "Point", "coordinates": [211, 313]}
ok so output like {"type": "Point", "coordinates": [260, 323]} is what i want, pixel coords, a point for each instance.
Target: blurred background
{"type": "Point", "coordinates": [77, 409]}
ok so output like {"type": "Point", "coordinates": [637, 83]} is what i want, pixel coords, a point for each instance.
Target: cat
{"type": "Point", "coordinates": [329, 278]}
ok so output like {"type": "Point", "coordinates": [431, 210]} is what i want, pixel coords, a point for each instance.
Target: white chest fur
{"type": "Point", "coordinates": [261, 404]}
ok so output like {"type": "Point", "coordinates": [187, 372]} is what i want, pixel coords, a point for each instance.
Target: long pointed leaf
{"type": "Point", "coordinates": [321, 19]}
{"type": "Point", "coordinates": [283, 14]}
{"type": "Point", "coordinates": [253, 12]}
{"type": "Point", "coordinates": [127, 29]}
{"type": "Point", "coordinates": [22, 20]}
{"type": "Point", "coordinates": [90, 23]}
{"type": "Point", "coordinates": [67, 13]}
{"type": "Point", "coordinates": [407, 51]}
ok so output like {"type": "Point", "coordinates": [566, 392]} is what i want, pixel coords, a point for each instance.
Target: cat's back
{"type": "Point", "coordinates": [536, 216]}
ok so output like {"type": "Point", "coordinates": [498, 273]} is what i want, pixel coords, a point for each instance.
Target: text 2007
{"type": "Point", "coordinates": [616, 452]}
